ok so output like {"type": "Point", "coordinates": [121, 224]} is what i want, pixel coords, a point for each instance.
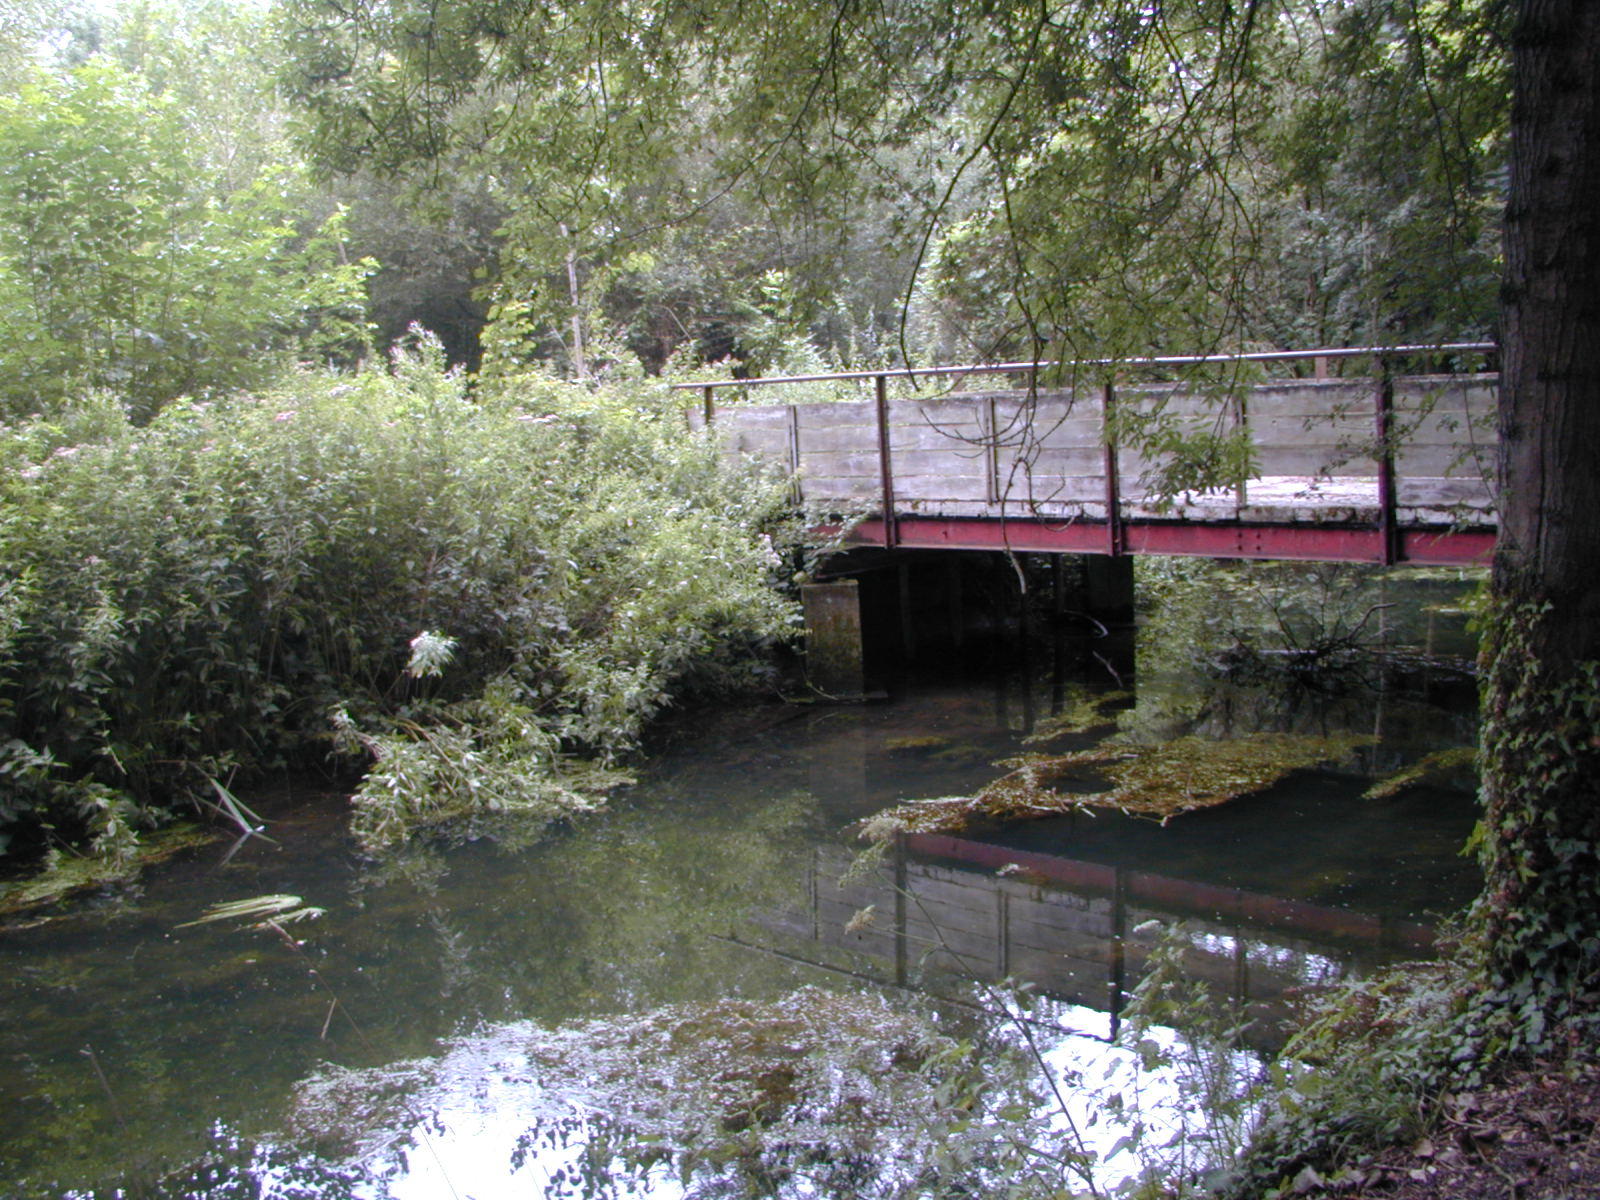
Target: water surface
{"type": "Point", "coordinates": [127, 1038]}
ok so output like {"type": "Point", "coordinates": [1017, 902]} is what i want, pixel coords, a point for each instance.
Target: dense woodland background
{"type": "Point", "coordinates": [594, 186]}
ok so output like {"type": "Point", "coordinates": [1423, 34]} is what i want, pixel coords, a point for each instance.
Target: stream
{"type": "Point", "coordinates": [618, 1007]}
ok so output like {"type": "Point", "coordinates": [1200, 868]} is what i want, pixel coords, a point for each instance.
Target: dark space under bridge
{"type": "Point", "coordinates": [1381, 467]}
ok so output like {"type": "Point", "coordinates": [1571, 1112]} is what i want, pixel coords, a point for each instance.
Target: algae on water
{"type": "Point", "coordinates": [1450, 765]}
{"type": "Point", "coordinates": [1159, 782]}
{"type": "Point", "coordinates": [67, 875]}
{"type": "Point", "coordinates": [806, 1094]}
{"type": "Point", "coordinates": [1082, 712]}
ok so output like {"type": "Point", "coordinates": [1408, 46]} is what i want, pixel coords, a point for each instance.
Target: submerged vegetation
{"type": "Point", "coordinates": [1453, 763]}
{"type": "Point", "coordinates": [67, 872]}
{"type": "Point", "coordinates": [466, 595]}
{"type": "Point", "coordinates": [1084, 711]}
{"type": "Point", "coordinates": [816, 1092]}
{"type": "Point", "coordinates": [1159, 782]}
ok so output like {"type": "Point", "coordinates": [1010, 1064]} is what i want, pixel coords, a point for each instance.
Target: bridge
{"type": "Point", "coordinates": [1382, 467]}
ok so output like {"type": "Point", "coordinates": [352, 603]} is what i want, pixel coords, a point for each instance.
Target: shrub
{"type": "Point", "coordinates": [200, 595]}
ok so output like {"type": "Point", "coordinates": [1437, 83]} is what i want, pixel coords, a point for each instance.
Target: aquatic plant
{"type": "Point", "coordinates": [812, 1093]}
{"type": "Point", "coordinates": [259, 912]}
{"type": "Point", "coordinates": [65, 872]}
{"type": "Point", "coordinates": [1081, 711]}
{"type": "Point", "coordinates": [1450, 763]}
{"type": "Point", "coordinates": [1158, 782]}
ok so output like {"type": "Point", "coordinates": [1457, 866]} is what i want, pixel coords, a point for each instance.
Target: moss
{"type": "Point", "coordinates": [737, 1063]}
{"type": "Point", "coordinates": [1158, 782]}
{"type": "Point", "coordinates": [1455, 761]}
{"type": "Point", "coordinates": [1083, 711]}
{"type": "Point", "coordinates": [66, 875]}
{"type": "Point", "coordinates": [915, 743]}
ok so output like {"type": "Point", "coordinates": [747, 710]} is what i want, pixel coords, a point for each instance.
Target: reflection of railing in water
{"type": "Point", "coordinates": [1079, 931]}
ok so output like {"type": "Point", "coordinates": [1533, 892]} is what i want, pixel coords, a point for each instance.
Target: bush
{"type": "Point", "coordinates": [200, 595]}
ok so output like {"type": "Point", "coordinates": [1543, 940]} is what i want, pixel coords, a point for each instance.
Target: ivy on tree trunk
{"type": "Point", "coordinates": [1540, 911]}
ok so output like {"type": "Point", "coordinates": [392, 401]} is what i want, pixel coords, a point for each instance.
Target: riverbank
{"type": "Point", "coordinates": [1532, 1135]}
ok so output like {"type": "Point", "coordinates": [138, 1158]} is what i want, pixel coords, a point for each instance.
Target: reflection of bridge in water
{"type": "Point", "coordinates": [1384, 469]}
{"type": "Point", "coordinates": [945, 910]}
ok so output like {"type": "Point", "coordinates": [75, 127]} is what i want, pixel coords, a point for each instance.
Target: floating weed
{"type": "Point", "coordinates": [261, 912]}
{"type": "Point", "coordinates": [1083, 711]}
{"type": "Point", "coordinates": [1178, 776]}
{"type": "Point", "coordinates": [1452, 764]}
{"type": "Point", "coordinates": [68, 875]}
{"type": "Point", "coordinates": [915, 743]}
{"type": "Point", "coordinates": [1159, 782]}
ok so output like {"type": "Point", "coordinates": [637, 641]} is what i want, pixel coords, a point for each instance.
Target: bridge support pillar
{"type": "Point", "coordinates": [833, 638]}
{"type": "Point", "coordinates": [1109, 587]}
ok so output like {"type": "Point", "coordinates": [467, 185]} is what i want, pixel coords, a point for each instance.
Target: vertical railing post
{"type": "Point", "coordinates": [796, 489]}
{"type": "Point", "coordinates": [1114, 538]}
{"type": "Point", "coordinates": [885, 467]}
{"type": "Point", "coordinates": [1241, 424]}
{"type": "Point", "coordinates": [710, 405]}
{"type": "Point", "coordinates": [988, 430]}
{"type": "Point", "coordinates": [1383, 404]}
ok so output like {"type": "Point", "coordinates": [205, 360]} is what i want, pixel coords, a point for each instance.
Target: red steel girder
{"type": "Point", "coordinates": [1306, 542]}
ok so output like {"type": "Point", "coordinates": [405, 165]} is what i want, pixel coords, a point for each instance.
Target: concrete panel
{"type": "Point", "coordinates": [833, 637]}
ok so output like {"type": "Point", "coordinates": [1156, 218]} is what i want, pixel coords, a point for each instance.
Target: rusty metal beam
{"type": "Point", "coordinates": [1304, 542]}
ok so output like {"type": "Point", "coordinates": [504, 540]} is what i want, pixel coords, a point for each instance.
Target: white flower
{"type": "Point", "coordinates": [430, 653]}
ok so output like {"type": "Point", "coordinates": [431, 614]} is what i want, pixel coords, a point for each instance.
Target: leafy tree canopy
{"type": "Point", "coordinates": [1089, 177]}
{"type": "Point", "coordinates": [145, 250]}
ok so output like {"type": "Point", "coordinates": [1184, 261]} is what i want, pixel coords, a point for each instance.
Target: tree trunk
{"type": "Point", "coordinates": [1540, 911]}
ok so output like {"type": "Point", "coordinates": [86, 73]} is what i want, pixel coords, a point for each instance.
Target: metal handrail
{"type": "Point", "coordinates": [1176, 360]}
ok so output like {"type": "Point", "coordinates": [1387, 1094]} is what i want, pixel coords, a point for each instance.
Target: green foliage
{"type": "Point", "coordinates": [198, 595]}
{"type": "Point", "coordinates": [22, 23]}
{"type": "Point", "coordinates": [478, 758]}
{"type": "Point", "coordinates": [1100, 180]}
{"type": "Point", "coordinates": [213, 62]}
{"type": "Point", "coordinates": [1389, 144]}
{"type": "Point", "coordinates": [1539, 841]}
{"type": "Point", "coordinates": [126, 264]}
{"type": "Point", "coordinates": [1447, 764]}
{"type": "Point", "coordinates": [1186, 459]}
{"type": "Point", "coordinates": [1361, 1073]}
